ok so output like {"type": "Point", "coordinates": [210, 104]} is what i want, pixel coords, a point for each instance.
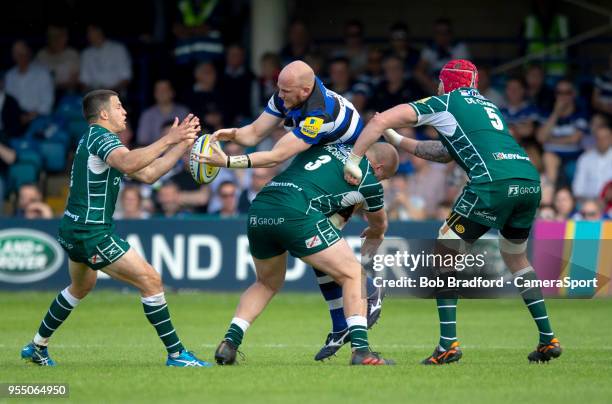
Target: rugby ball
{"type": "Point", "coordinates": [203, 173]}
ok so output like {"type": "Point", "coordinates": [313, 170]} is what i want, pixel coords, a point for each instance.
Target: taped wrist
{"type": "Point", "coordinates": [393, 137]}
{"type": "Point", "coordinates": [241, 161]}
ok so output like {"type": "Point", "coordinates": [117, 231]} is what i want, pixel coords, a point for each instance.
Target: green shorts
{"type": "Point", "coordinates": [499, 204]}
{"type": "Point", "coordinates": [97, 247]}
{"type": "Point", "coordinates": [272, 230]}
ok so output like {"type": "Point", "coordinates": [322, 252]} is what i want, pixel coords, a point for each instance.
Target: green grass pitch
{"type": "Point", "coordinates": [107, 352]}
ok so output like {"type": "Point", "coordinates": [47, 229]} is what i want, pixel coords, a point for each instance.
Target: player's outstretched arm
{"type": "Point", "coordinates": [162, 165]}
{"type": "Point", "coordinates": [251, 134]}
{"type": "Point", "coordinates": [288, 146]}
{"type": "Point", "coordinates": [432, 150]}
{"type": "Point", "coordinates": [399, 116]}
{"type": "Point", "coordinates": [131, 161]}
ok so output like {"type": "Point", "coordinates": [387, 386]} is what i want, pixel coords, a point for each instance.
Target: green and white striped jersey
{"type": "Point", "coordinates": [315, 182]}
{"type": "Point", "coordinates": [94, 185]}
{"type": "Point", "coordinates": [476, 136]}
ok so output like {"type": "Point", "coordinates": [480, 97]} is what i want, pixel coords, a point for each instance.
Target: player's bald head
{"type": "Point", "coordinates": [297, 74]}
{"type": "Point", "coordinates": [384, 159]}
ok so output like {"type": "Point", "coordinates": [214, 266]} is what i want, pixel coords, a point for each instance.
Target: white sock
{"type": "Point", "coordinates": [69, 298]}
{"type": "Point", "coordinates": [243, 324]}
{"type": "Point", "coordinates": [155, 300]}
{"type": "Point", "coordinates": [357, 320]}
{"type": "Point", "coordinates": [38, 340]}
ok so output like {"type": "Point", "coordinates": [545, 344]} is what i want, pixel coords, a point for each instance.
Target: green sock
{"type": "Point", "coordinates": [60, 309]}
{"type": "Point", "coordinates": [534, 300]}
{"type": "Point", "coordinates": [236, 331]}
{"type": "Point", "coordinates": [358, 332]}
{"type": "Point", "coordinates": [157, 313]}
{"type": "Point", "coordinates": [447, 312]}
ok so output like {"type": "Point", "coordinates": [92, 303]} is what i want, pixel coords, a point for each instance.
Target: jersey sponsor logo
{"type": "Point", "coordinates": [516, 190]}
{"type": "Point", "coordinates": [71, 215]}
{"type": "Point", "coordinates": [459, 229]}
{"type": "Point", "coordinates": [311, 126]}
{"type": "Point", "coordinates": [265, 221]}
{"type": "Point", "coordinates": [314, 241]}
{"type": "Point", "coordinates": [509, 156]}
{"type": "Point", "coordinates": [283, 185]}
{"type": "Point", "coordinates": [28, 255]}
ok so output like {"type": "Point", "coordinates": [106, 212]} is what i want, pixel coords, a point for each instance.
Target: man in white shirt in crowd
{"type": "Point", "coordinates": [61, 60]}
{"type": "Point", "coordinates": [104, 64]}
{"type": "Point", "coordinates": [594, 167]}
{"type": "Point", "coordinates": [30, 83]}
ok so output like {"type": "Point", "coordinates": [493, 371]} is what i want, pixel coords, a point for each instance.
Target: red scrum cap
{"type": "Point", "coordinates": [458, 73]}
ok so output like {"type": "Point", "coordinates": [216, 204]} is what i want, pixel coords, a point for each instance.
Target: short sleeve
{"type": "Point", "coordinates": [313, 128]}
{"type": "Point", "coordinates": [104, 144]}
{"type": "Point", "coordinates": [275, 106]}
{"type": "Point", "coordinates": [434, 111]}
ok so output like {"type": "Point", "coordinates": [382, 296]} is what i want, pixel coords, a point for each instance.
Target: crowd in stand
{"type": "Point", "coordinates": [567, 134]}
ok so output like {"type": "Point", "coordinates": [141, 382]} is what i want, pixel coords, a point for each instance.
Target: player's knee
{"type": "Point", "coordinates": [271, 283]}
{"type": "Point", "coordinates": [82, 290]}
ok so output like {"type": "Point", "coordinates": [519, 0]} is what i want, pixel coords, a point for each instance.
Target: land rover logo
{"type": "Point", "coordinates": [28, 255]}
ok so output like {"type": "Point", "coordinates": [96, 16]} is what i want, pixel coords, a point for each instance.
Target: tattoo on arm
{"type": "Point", "coordinates": [432, 150]}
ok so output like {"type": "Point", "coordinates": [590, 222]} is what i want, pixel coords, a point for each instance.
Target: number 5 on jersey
{"type": "Point", "coordinates": [495, 119]}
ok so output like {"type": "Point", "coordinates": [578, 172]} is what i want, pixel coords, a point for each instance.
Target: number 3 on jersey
{"type": "Point", "coordinates": [311, 166]}
{"type": "Point", "coordinates": [495, 120]}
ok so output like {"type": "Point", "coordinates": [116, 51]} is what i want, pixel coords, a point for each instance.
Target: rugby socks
{"type": "Point", "coordinates": [332, 292]}
{"type": "Point", "coordinates": [58, 312]}
{"type": "Point", "coordinates": [156, 310]}
{"type": "Point", "coordinates": [358, 332]}
{"type": "Point", "coordinates": [534, 300]}
{"type": "Point", "coordinates": [236, 331]}
{"type": "Point", "coordinates": [447, 312]}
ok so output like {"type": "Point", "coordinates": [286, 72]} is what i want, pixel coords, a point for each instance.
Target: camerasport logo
{"type": "Point", "coordinates": [28, 255]}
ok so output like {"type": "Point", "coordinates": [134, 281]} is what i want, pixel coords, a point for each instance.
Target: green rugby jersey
{"type": "Point", "coordinates": [315, 182]}
{"type": "Point", "coordinates": [475, 134]}
{"type": "Point", "coordinates": [94, 185]}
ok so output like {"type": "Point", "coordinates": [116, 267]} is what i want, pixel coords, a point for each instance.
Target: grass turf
{"type": "Point", "coordinates": [107, 352]}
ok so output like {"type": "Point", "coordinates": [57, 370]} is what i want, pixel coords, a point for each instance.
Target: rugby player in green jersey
{"type": "Point", "coordinates": [503, 191]}
{"type": "Point", "coordinates": [87, 231]}
{"type": "Point", "coordinates": [292, 214]}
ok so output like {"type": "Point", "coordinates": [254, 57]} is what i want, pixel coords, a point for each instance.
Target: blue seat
{"type": "Point", "coordinates": [53, 155]}
{"type": "Point", "coordinates": [31, 157]}
{"type": "Point", "coordinates": [21, 173]}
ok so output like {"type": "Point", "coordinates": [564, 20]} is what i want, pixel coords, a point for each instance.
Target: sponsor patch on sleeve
{"type": "Point", "coordinates": [311, 126]}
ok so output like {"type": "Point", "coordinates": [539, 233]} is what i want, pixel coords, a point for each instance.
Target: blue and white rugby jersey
{"type": "Point", "coordinates": [324, 118]}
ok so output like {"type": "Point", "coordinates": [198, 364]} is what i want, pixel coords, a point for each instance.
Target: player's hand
{"type": "Point", "coordinates": [217, 158]}
{"type": "Point", "coordinates": [186, 130]}
{"type": "Point", "coordinates": [371, 241]}
{"type": "Point", "coordinates": [352, 172]}
{"type": "Point", "coordinates": [226, 135]}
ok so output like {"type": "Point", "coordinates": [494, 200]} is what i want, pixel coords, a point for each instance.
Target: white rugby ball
{"type": "Point", "coordinates": [203, 173]}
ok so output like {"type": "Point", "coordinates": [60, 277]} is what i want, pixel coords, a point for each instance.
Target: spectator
{"type": "Point", "coordinates": [169, 203]}
{"type": "Point", "coordinates": [259, 178]}
{"type": "Point", "coordinates": [433, 57]}
{"type": "Point", "coordinates": [237, 84]}
{"type": "Point", "coordinates": [564, 204]}
{"type": "Point", "coordinates": [594, 167]}
{"type": "Point", "coordinates": [299, 44]}
{"type": "Point", "coordinates": [61, 60]}
{"type": "Point", "coordinates": [400, 203]}
{"type": "Point", "coordinates": [131, 204]}
{"type": "Point", "coordinates": [427, 183]}
{"type": "Point", "coordinates": [38, 210]}
{"type": "Point", "coordinates": [606, 198]}
{"type": "Point", "coordinates": [547, 212]}
{"type": "Point", "coordinates": [354, 48]}
{"type": "Point", "coordinates": [395, 89]}
{"type": "Point", "coordinates": [399, 38]}
{"type": "Point", "coordinates": [26, 195]}
{"type": "Point", "coordinates": [105, 63]}
{"type": "Point", "coordinates": [7, 158]}
{"type": "Point", "coordinates": [602, 90]}
{"type": "Point", "coordinates": [204, 100]}
{"type": "Point", "coordinates": [374, 73]}
{"type": "Point", "coordinates": [196, 39]}
{"type": "Point", "coordinates": [538, 93]}
{"type": "Point", "coordinates": [265, 87]}
{"type": "Point", "coordinates": [485, 88]}
{"type": "Point", "coordinates": [340, 80]}
{"type": "Point", "coordinates": [153, 118]}
{"type": "Point", "coordinates": [30, 83]}
{"type": "Point", "coordinates": [520, 115]}
{"type": "Point", "coordinates": [192, 195]}
{"type": "Point", "coordinates": [590, 210]}
{"type": "Point", "coordinates": [317, 62]}
{"type": "Point", "coordinates": [228, 194]}
{"type": "Point", "coordinates": [11, 115]}
{"type": "Point", "coordinates": [561, 134]}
